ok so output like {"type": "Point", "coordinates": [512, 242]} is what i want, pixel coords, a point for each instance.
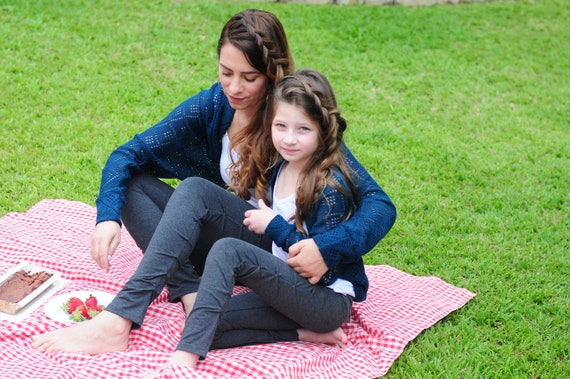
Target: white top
{"type": "Point", "coordinates": [226, 160]}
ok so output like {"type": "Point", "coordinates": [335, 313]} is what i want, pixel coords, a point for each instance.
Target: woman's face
{"type": "Point", "coordinates": [244, 86]}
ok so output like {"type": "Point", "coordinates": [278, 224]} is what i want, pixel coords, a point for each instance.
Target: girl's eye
{"type": "Point", "coordinates": [250, 80]}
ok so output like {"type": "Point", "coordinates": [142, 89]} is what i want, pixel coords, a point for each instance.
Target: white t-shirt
{"type": "Point", "coordinates": [226, 160]}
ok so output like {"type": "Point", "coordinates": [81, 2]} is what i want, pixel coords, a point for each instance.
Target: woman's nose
{"type": "Point", "coordinates": [235, 85]}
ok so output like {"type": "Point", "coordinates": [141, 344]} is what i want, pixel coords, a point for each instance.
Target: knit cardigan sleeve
{"type": "Point", "coordinates": [187, 142]}
{"type": "Point", "coordinates": [373, 219]}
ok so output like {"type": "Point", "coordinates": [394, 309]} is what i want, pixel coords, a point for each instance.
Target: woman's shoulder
{"type": "Point", "coordinates": [213, 96]}
{"type": "Point", "coordinates": [338, 176]}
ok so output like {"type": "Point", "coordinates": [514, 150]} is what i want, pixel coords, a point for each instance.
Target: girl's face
{"type": "Point", "coordinates": [294, 134]}
{"type": "Point", "coordinates": [244, 86]}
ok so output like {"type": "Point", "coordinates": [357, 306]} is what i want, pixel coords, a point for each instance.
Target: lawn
{"type": "Point", "coordinates": [461, 112]}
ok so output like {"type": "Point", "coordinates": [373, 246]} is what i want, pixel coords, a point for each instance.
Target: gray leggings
{"type": "Point", "coordinates": [197, 214]}
{"type": "Point", "coordinates": [281, 301]}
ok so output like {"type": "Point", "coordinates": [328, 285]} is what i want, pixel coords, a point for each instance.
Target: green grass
{"type": "Point", "coordinates": [460, 112]}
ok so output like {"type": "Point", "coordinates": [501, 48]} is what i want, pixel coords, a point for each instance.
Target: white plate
{"type": "Point", "coordinates": [13, 308]}
{"type": "Point", "coordinates": [53, 307]}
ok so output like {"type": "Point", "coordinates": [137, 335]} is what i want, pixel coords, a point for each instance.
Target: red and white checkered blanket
{"type": "Point", "coordinates": [56, 234]}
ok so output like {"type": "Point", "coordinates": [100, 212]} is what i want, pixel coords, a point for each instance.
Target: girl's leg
{"type": "Point", "coordinates": [283, 301]}
{"type": "Point", "coordinates": [197, 210]}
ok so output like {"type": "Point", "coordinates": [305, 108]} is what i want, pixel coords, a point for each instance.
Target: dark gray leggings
{"type": "Point", "coordinates": [145, 201]}
{"type": "Point", "coordinates": [196, 214]}
{"type": "Point", "coordinates": [281, 301]}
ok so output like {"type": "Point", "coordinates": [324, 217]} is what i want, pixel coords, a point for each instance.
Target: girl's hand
{"type": "Point", "coordinates": [257, 220]}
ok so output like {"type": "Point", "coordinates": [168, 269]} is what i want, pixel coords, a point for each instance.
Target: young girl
{"type": "Point", "coordinates": [312, 192]}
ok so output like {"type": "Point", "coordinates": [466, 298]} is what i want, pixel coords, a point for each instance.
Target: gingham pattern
{"type": "Point", "coordinates": [56, 234]}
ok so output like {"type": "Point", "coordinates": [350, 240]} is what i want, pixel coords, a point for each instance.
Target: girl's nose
{"type": "Point", "coordinates": [290, 137]}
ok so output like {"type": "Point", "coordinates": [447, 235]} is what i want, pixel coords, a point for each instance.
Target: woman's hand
{"type": "Point", "coordinates": [257, 220]}
{"type": "Point", "coordinates": [104, 241]}
{"type": "Point", "coordinates": [306, 259]}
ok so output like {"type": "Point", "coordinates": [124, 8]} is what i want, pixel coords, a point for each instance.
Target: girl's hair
{"type": "Point", "coordinates": [261, 38]}
{"type": "Point", "coordinates": [312, 93]}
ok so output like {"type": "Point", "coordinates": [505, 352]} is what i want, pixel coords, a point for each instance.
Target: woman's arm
{"type": "Point", "coordinates": [185, 143]}
{"type": "Point", "coordinates": [373, 219]}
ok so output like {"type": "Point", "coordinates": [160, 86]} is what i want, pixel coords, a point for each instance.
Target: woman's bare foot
{"type": "Point", "coordinates": [337, 337]}
{"type": "Point", "coordinates": [179, 358]}
{"type": "Point", "coordinates": [184, 358]}
{"type": "Point", "coordinates": [103, 334]}
{"type": "Point", "coordinates": [188, 302]}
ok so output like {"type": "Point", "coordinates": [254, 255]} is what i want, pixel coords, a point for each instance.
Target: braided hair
{"type": "Point", "coordinates": [311, 91]}
{"type": "Point", "coordinates": [261, 37]}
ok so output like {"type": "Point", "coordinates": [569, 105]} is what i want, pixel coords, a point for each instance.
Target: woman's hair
{"type": "Point", "coordinates": [261, 38]}
{"type": "Point", "coordinates": [312, 93]}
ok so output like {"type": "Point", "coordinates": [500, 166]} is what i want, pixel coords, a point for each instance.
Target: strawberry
{"type": "Point", "coordinates": [91, 302]}
{"type": "Point", "coordinates": [76, 316]}
{"type": "Point", "coordinates": [71, 305]}
{"type": "Point", "coordinates": [82, 309]}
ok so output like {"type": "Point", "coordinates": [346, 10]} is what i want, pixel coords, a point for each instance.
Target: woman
{"type": "Point", "coordinates": [199, 138]}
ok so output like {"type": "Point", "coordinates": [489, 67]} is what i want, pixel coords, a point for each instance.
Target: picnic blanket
{"type": "Point", "coordinates": [56, 234]}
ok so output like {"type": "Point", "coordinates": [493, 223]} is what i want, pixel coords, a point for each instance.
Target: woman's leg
{"type": "Point", "coordinates": [195, 205]}
{"type": "Point", "coordinates": [197, 210]}
{"type": "Point", "coordinates": [145, 200]}
{"type": "Point", "coordinates": [282, 303]}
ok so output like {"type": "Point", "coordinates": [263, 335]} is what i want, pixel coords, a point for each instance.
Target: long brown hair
{"type": "Point", "coordinates": [311, 91]}
{"type": "Point", "coordinates": [261, 37]}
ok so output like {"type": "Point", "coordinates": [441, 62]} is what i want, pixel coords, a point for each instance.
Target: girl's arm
{"type": "Point", "coordinates": [328, 212]}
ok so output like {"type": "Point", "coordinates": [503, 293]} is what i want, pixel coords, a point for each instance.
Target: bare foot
{"type": "Point", "coordinates": [103, 334]}
{"type": "Point", "coordinates": [185, 358]}
{"type": "Point", "coordinates": [188, 302]}
{"type": "Point", "coordinates": [337, 337]}
{"type": "Point", "coordinates": [179, 358]}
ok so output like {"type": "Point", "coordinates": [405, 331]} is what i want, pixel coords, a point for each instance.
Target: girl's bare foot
{"type": "Point", "coordinates": [103, 334]}
{"type": "Point", "coordinates": [337, 337]}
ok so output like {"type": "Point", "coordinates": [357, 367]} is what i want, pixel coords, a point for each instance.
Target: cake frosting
{"type": "Point", "coordinates": [21, 284]}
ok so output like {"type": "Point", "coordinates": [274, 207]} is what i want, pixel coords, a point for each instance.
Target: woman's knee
{"type": "Point", "coordinates": [224, 246]}
{"type": "Point", "coordinates": [196, 189]}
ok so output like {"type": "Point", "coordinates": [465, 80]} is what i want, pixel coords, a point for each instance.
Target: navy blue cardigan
{"type": "Point", "coordinates": [188, 142]}
{"type": "Point", "coordinates": [329, 211]}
